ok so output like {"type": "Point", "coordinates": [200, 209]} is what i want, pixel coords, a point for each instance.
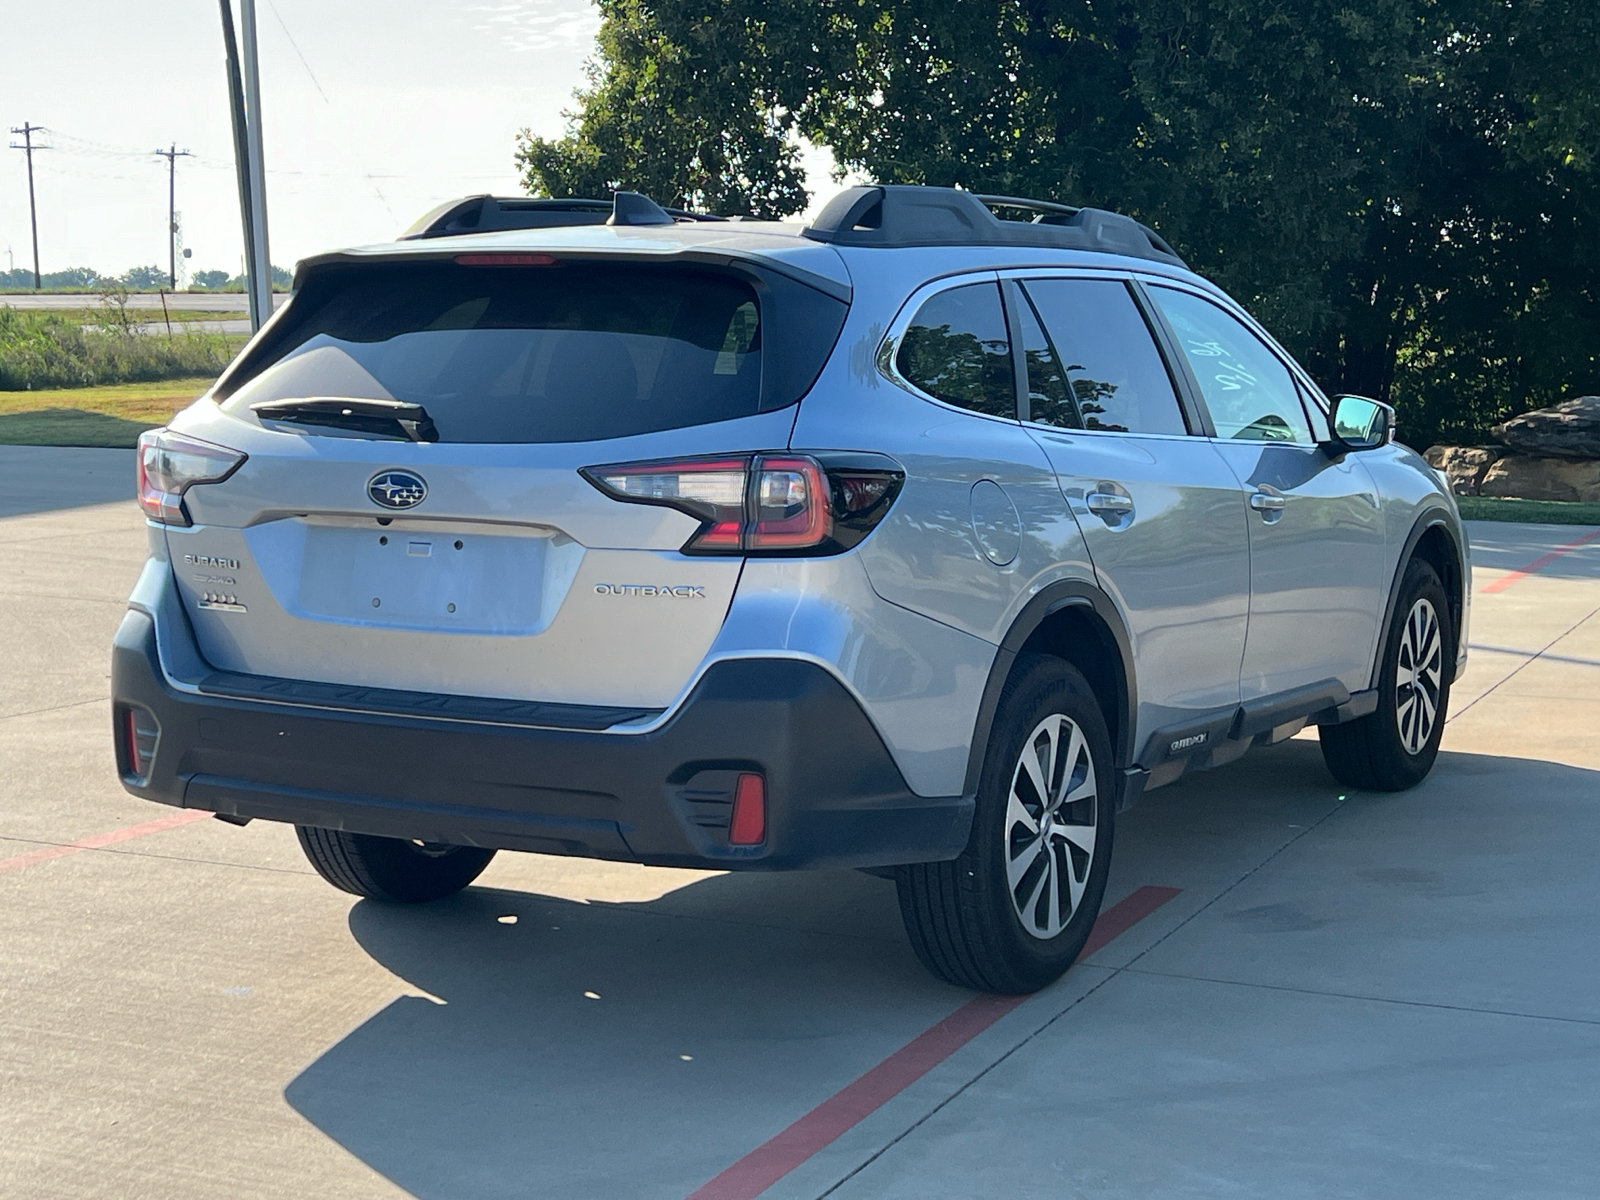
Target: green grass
{"type": "Point", "coordinates": [1534, 512]}
{"type": "Point", "coordinates": [97, 315]}
{"type": "Point", "coordinates": [114, 415]}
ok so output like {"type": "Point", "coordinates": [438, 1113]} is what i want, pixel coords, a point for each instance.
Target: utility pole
{"type": "Point", "coordinates": [241, 151]}
{"type": "Point", "coordinates": [261, 265]}
{"type": "Point", "coordinates": [172, 156]}
{"type": "Point", "coordinates": [27, 131]}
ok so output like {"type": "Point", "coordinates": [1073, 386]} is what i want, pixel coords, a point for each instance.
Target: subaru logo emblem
{"type": "Point", "coordinates": [397, 489]}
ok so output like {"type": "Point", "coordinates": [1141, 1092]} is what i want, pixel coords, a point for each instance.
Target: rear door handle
{"type": "Point", "coordinates": [1267, 502]}
{"type": "Point", "coordinates": [1103, 504]}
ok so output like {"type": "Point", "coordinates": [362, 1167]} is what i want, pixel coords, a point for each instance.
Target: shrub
{"type": "Point", "coordinates": [43, 350]}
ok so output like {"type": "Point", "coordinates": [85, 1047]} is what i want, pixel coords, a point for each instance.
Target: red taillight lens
{"type": "Point", "coordinates": [169, 464]}
{"type": "Point", "coordinates": [763, 503]}
{"type": "Point", "coordinates": [748, 825]}
{"type": "Point", "coordinates": [791, 505]}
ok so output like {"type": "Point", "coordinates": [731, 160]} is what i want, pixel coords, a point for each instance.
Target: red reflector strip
{"type": "Point", "coordinates": [506, 260]}
{"type": "Point", "coordinates": [130, 730]}
{"type": "Point", "coordinates": [749, 824]}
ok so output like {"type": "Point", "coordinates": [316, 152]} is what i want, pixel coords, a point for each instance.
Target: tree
{"type": "Point", "coordinates": [683, 110]}
{"type": "Point", "coordinates": [1404, 192]}
{"type": "Point", "coordinates": [145, 279]}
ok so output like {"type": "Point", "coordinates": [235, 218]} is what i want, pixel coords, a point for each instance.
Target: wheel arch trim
{"type": "Point", "coordinates": [1052, 599]}
{"type": "Point", "coordinates": [1434, 516]}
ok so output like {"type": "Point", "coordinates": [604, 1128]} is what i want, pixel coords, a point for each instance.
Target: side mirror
{"type": "Point", "coordinates": [1360, 424]}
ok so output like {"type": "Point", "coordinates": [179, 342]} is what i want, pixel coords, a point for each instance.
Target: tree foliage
{"type": "Point", "coordinates": [1403, 190]}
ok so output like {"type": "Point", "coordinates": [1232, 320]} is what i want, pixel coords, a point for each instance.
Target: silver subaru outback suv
{"type": "Point", "coordinates": [924, 539]}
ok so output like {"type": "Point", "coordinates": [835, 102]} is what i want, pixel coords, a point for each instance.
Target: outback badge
{"type": "Point", "coordinates": [397, 489]}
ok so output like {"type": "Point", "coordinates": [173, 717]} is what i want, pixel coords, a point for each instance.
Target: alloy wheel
{"type": "Point", "coordinates": [1050, 826]}
{"type": "Point", "coordinates": [1419, 677]}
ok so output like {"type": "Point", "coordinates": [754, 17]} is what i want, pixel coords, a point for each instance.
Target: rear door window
{"type": "Point", "coordinates": [1100, 341]}
{"type": "Point", "coordinates": [576, 351]}
{"type": "Point", "coordinates": [956, 349]}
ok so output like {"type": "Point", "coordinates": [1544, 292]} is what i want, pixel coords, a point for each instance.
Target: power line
{"type": "Point", "coordinates": [370, 177]}
{"type": "Point", "coordinates": [27, 131]}
{"type": "Point", "coordinates": [172, 156]}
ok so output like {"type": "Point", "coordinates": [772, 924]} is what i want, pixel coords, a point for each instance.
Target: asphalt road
{"type": "Point", "coordinates": [1345, 995]}
{"type": "Point", "coordinates": [176, 301]}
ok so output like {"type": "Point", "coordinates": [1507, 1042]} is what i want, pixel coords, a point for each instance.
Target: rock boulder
{"type": "Point", "coordinates": [1525, 477]}
{"type": "Point", "coordinates": [1464, 466]}
{"type": "Point", "coordinates": [1567, 430]}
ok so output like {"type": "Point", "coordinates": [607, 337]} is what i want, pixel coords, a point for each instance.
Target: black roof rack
{"type": "Point", "coordinates": [486, 214]}
{"type": "Point", "coordinates": [890, 215]}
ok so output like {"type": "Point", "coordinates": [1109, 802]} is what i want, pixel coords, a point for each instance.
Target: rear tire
{"type": "Point", "coordinates": [1395, 746]}
{"type": "Point", "coordinates": [379, 868]}
{"type": "Point", "coordinates": [1013, 912]}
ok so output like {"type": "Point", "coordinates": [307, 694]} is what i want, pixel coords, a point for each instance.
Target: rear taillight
{"type": "Point", "coordinates": [169, 464]}
{"type": "Point", "coordinates": [771, 504]}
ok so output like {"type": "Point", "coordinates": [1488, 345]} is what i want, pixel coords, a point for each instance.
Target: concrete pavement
{"type": "Point", "coordinates": [1352, 995]}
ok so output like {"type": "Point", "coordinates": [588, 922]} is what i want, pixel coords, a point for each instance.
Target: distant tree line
{"type": "Point", "coordinates": [1404, 191]}
{"type": "Point", "coordinates": [138, 279]}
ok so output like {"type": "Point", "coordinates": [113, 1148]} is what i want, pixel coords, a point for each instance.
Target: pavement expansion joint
{"type": "Point", "coordinates": [1111, 973]}
{"type": "Point", "coordinates": [34, 712]}
{"type": "Point", "coordinates": [1364, 998]}
{"type": "Point", "coordinates": [1579, 624]}
{"type": "Point", "coordinates": [1338, 805]}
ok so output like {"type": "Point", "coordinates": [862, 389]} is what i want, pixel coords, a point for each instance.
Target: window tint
{"type": "Point", "coordinates": [1111, 362]}
{"type": "Point", "coordinates": [1251, 394]}
{"type": "Point", "coordinates": [957, 349]}
{"type": "Point", "coordinates": [524, 354]}
{"type": "Point", "coordinates": [1049, 393]}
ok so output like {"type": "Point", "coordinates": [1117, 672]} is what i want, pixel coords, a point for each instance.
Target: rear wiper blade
{"type": "Point", "coordinates": [392, 418]}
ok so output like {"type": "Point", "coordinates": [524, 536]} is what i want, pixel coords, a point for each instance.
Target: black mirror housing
{"type": "Point", "coordinates": [1360, 423]}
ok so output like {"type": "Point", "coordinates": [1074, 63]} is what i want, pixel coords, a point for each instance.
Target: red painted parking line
{"type": "Point", "coordinates": [100, 840]}
{"type": "Point", "coordinates": [1540, 563]}
{"type": "Point", "coordinates": [775, 1158]}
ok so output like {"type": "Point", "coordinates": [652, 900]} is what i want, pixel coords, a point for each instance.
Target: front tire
{"type": "Point", "coordinates": [1395, 746]}
{"type": "Point", "coordinates": [1013, 912]}
{"type": "Point", "coordinates": [394, 869]}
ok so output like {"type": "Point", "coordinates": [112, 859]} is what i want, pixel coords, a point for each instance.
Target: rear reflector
{"type": "Point", "coordinates": [130, 737]}
{"type": "Point", "coordinates": [749, 824]}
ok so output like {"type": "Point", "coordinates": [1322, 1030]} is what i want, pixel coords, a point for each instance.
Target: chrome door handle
{"type": "Point", "coordinates": [1103, 504]}
{"type": "Point", "coordinates": [1267, 502]}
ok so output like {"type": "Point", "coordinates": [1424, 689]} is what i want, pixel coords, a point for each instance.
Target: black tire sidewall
{"type": "Point", "coordinates": [1400, 767]}
{"type": "Point", "coordinates": [1040, 688]}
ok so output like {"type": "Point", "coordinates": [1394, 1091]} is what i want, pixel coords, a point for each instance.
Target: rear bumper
{"type": "Point", "coordinates": [834, 795]}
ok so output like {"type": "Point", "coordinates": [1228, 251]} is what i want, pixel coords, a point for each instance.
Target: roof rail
{"type": "Point", "coordinates": [891, 215]}
{"type": "Point", "coordinates": [487, 214]}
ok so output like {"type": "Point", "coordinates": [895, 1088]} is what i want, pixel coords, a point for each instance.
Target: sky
{"type": "Point", "coordinates": [374, 112]}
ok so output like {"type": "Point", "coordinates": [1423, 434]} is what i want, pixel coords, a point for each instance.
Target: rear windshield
{"type": "Point", "coordinates": [573, 352]}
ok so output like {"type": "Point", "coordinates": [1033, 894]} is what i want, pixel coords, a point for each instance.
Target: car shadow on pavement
{"type": "Point", "coordinates": [47, 478]}
{"type": "Point", "coordinates": [636, 1049]}
{"type": "Point", "coordinates": [613, 1049]}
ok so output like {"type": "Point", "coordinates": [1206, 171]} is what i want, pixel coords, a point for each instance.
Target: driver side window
{"type": "Point", "coordinates": [1251, 394]}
